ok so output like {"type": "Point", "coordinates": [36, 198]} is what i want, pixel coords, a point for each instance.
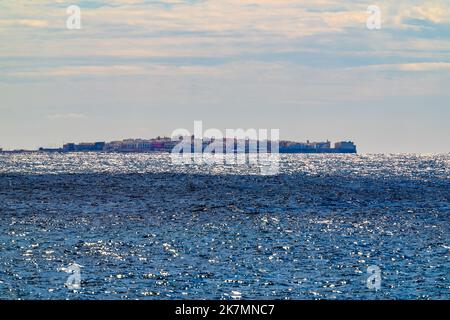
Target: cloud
{"type": "Point", "coordinates": [65, 116]}
{"type": "Point", "coordinates": [29, 23]}
{"type": "Point", "coordinates": [33, 23]}
{"type": "Point", "coordinates": [424, 66]}
{"type": "Point", "coordinates": [414, 67]}
{"type": "Point", "coordinates": [80, 70]}
{"type": "Point", "coordinates": [143, 37]}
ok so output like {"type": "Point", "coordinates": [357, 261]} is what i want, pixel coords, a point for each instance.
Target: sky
{"type": "Point", "coordinates": [312, 69]}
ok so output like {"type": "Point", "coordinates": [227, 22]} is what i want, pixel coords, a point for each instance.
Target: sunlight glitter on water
{"type": "Point", "coordinates": [144, 228]}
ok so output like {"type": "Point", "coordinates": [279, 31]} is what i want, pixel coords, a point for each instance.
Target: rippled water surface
{"type": "Point", "coordinates": [144, 228]}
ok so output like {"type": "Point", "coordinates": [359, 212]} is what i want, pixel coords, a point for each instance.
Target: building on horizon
{"type": "Point", "coordinates": [84, 147]}
{"type": "Point", "coordinates": [317, 147]}
{"type": "Point", "coordinates": [166, 144]}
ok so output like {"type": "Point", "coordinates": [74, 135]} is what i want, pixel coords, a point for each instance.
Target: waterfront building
{"type": "Point", "coordinates": [345, 147]}
{"type": "Point", "coordinates": [166, 144]}
{"type": "Point", "coordinates": [84, 147]}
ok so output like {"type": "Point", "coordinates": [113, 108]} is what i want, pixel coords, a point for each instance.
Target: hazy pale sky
{"type": "Point", "coordinates": [142, 68]}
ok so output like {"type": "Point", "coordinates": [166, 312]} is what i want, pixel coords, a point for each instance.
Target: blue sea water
{"type": "Point", "coordinates": [144, 228]}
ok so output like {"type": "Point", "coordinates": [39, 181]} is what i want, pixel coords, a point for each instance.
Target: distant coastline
{"type": "Point", "coordinates": [166, 144]}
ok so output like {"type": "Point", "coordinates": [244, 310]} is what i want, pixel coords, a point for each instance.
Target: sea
{"type": "Point", "coordinates": [139, 226]}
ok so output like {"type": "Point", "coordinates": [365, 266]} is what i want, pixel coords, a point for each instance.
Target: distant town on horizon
{"type": "Point", "coordinates": [167, 144]}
